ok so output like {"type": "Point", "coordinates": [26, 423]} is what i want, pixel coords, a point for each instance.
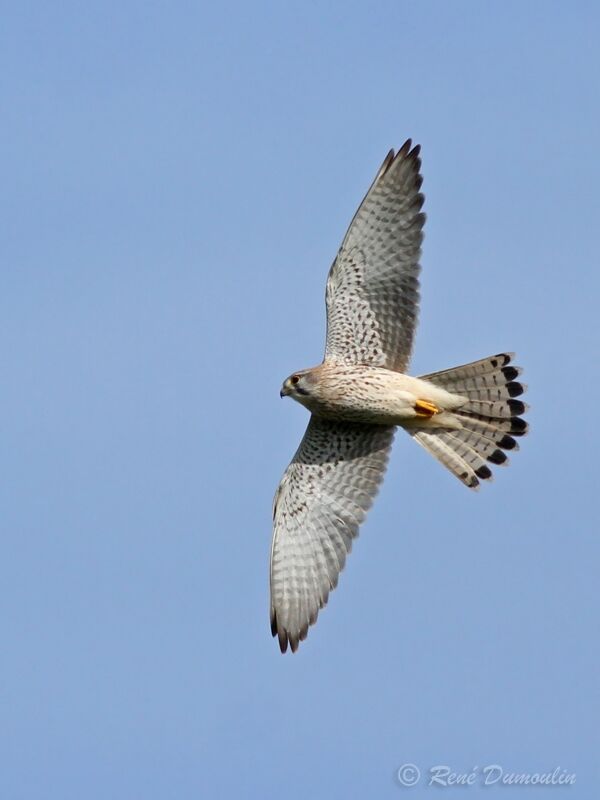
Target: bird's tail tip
{"type": "Point", "coordinates": [487, 423]}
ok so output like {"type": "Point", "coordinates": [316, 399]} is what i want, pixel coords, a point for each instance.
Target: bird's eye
{"type": "Point", "coordinates": [295, 379]}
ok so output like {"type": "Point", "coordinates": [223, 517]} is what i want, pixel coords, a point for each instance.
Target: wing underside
{"type": "Point", "coordinates": [320, 503]}
{"type": "Point", "coordinates": [372, 292]}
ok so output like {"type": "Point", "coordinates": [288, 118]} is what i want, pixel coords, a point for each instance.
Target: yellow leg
{"type": "Point", "coordinates": [425, 408]}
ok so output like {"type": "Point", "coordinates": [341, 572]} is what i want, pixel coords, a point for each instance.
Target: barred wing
{"type": "Point", "coordinates": [320, 503]}
{"type": "Point", "coordinates": [373, 286]}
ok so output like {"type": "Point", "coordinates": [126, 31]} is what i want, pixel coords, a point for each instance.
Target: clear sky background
{"type": "Point", "coordinates": [176, 179]}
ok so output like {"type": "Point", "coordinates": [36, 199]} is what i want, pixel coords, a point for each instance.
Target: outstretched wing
{"type": "Point", "coordinates": [373, 286]}
{"type": "Point", "coordinates": [320, 503]}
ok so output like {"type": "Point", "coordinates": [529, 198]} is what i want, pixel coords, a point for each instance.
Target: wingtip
{"type": "Point", "coordinates": [282, 636]}
{"type": "Point", "coordinates": [285, 638]}
{"type": "Point", "coordinates": [407, 151]}
{"type": "Point", "coordinates": [283, 641]}
{"type": "Point", "coordinates": [387, 162]}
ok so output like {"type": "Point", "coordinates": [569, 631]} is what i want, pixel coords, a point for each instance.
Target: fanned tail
{"type": "Point", "coordinates": [489, 420]}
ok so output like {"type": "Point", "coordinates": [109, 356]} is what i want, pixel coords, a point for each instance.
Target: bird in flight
{"type": "Point", "coordinates": [466, 417]}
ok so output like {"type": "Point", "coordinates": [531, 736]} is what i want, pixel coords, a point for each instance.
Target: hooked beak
{"type": "Point", "coordinates": [283, 392]}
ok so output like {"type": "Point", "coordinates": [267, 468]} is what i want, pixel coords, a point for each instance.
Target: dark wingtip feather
{"type": "Point", "coordinates": [484, 472]}
{"type": "Point", "coordinates": [417, 203]}
{"type": "Point", "coordinates": [404, 152]}
{"type": "Point", "coordinates": [283, 641]}
{"type": "Point", "coordinates": [281, 634]}
{"type": "Point", "coordinates": [387, 162]}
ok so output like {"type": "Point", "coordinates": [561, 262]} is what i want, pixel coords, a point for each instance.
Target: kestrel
{"type": "Point", "coordinates": [465, 417]}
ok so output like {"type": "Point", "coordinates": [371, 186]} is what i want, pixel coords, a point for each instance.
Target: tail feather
{"type": "Point", "coordinates": [446, 455]}
{"type": "Point", "coordinates": [476, 430]}
{"type": "Point", "coordinates": [495, 409]}
{"type": "Point", "coordinates": [488, 420]}
{"type": "Point", "coordinates": [460, 375]}
{"type": "Point", "coordinates": [514, 425]}
{"type": "Point", "coordinates": [469, 454]}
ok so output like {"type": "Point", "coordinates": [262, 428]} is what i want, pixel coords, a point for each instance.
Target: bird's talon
{"type": "Point", "coordinates": [426, 409]}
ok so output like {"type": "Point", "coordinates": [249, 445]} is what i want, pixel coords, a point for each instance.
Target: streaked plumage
{"type": "Point", "coordinates": [466, 417]}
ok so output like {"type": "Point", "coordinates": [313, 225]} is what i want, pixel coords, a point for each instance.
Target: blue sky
{"type": "Point", "coordinates": [177, 178]}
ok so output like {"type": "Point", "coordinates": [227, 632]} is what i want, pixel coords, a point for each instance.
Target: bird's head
{"type": "Point", "coordinates": [298, 386]}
